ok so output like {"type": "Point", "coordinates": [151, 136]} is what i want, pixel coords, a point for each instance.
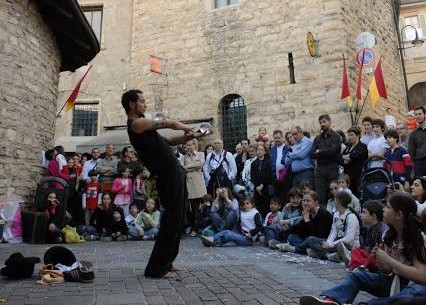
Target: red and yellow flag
{"type": "Point", "coordinates": [346, 94]}
{"type": "Point", "coordinates": [71, 100]}
{"type": "Point", "coordinates": [377, 85]}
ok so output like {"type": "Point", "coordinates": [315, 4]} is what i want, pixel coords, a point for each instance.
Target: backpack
{"type": "Point", "coordinates": [219, 177]}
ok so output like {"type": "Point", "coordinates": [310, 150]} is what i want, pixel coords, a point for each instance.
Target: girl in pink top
{"type": "Point", "coordinates": [122, 187]}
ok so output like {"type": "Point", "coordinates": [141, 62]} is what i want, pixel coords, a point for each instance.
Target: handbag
{"type": "Point", "coordinates": [71, 236]}
{"type": "Point", "coordinates": [361, 257]}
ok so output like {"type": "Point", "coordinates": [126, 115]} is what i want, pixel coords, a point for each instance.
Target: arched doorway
{"type": "Point", "coordinates": [417, 95]}
{"type": "Point", "coordinates": [233, 116]}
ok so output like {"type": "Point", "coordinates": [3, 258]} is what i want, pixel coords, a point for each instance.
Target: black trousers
{"type": "Point", "coordinates": [323, 175]}
{"type": "Point", "coordinates": [171, 188]}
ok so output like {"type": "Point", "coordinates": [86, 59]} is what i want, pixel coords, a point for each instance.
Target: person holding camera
{"type": "Point", "coordinates": [223, 213]}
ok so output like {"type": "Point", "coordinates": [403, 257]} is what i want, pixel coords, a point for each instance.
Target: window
{"type": "Point", "coordinates": [409, 32]}
{"type": "Point", "coordinates": [223, 3]}
{"type": "Point", "coordinates": [85, 119]}
{"type": "Point", "coordinates": [94, 17]}
{"type": "Point", "coordinates": [234, 120]}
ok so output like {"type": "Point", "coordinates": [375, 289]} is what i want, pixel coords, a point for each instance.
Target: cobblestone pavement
{"type": "Point", "coordinates": [221, 275]}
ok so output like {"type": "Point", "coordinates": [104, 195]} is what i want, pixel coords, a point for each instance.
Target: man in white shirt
{"type": "Point", "coordinates": [219, 158]}
{"type": "Point", "coordinates": [91, 164]}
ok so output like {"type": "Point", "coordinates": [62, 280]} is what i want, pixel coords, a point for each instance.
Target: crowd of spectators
{"type": "Point", "coordinates": [294, 193]}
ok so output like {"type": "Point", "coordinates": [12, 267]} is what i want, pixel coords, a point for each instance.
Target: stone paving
{"type": "Point", "coordinates": [221, 275]}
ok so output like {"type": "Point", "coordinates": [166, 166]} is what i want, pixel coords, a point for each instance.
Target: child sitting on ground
{"type": "Point", "coordinates": [345, 229]}
{"type": "Point", "coordinates": [203, 219]}
{"type": "Point", "coordinates": [306, 187]}
{"type": "Point", "coordinates": [372, 220]}
{"type": "Point", "coordinates": [403, 254]}
{"type": "Point", "coordinates": [150, 218]}
{"type": "Point", "coordinates": [290, 217]}
{"type": "Point", "coordinates": [58, 217]}
{"type": "Point", "coordinates": [271, 223]}
{"type": "Point", "coordinates": [135, 231]}
{"type": "Point", "coordinates": [249, 226]}
{"type": "Point", "coordinates": [118, 225]}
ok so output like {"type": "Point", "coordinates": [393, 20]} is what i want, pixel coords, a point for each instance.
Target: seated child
{"type": "Point", "coordinates": [118, 225]}
{"type": "Point", "coordinates": [403, 254]}
{"type": "Point", "coordinates": [331, 204]}
{"type": "Point", "coordinates": [134, 229]}
{"type": "Point", "coordinates": [372, 219]}
{"type": "Point", "coordinates": [150, 218]}
{"type": "Point", "coordinates": [249, 226]}
{"type": "Point", "coordinates": [306, 187]}
{"type": "Point", "coordinates": [271, 224]}
{"type": "Point", "coordinates": [203, 219]}
{"type": "Point", "coordinates": [345, 229]}
{"type": "Point", "coordinates": [100, 222]}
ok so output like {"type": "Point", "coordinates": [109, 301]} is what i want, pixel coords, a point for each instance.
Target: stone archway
{"type": "Point", "coordinates": [417, 95]}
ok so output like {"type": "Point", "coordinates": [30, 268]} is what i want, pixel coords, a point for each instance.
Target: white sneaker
{"type": "Point", "coordinates": [333, 257]}
{"type": "Point", "coordinates": [286, 247]}
{"type": "Point", "coordinates": [207, 241]}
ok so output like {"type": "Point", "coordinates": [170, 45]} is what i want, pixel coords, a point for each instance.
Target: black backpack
{"type": "Point", "coordinates": [219, 177]}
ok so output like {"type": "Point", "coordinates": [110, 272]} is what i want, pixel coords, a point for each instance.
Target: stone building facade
{"type": "Point", "coordinates": [215, 58]}
{"type": "Point", "coordinates": [30, 61]}
{"type": "Point", "coordinates": [109, 76]}
{"type": "Point", "coordinates": [413, 14]}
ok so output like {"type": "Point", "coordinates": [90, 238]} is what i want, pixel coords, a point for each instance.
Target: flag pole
{"type": "Point", "coordinates": [79, 83]}
{"type": "Point", "coordinates": [352, 117]}
{"type": "Point", "coordinates": [362, 107]}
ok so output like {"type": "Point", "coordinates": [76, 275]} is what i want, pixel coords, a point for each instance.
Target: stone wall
{"type": "Point", "coordinates": [29, 61]}
{"type": "Point", "coordinates": [243, 49]}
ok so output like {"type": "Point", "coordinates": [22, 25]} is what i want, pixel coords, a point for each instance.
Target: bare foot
{"type": "Point", "coordinates": [174, 269]}
{"type": "Point", "coordinates": [169, 275]}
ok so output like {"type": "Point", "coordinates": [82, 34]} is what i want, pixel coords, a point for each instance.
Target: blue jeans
{"type": "Point", "coordinates": [295, 240]}
{"type": "Point", "coordinates": [87, 229]}
{"type": "Point", "coordinates": [275, 233]}
{"type": "Point", "coordinates": [376, 284]}
{"type": "Point", "coordinates": [304, 175]}
{"type": "Point", "coordinates": [133, 231]}
{"type": "Point", "coordinates": [230, 236]}
{"type": "Point", "coordinates": [225, 222]}
{"type": "Point", "coordinates": [152, 231]}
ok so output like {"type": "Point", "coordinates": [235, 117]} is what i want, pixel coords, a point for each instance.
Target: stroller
{"type": "Point", "coordinates": [34, 221]}
{"type": "Point", "coordinates": [374, 181]}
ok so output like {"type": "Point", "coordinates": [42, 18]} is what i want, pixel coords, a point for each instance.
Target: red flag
{"type": "Point", "coordinates": [377, 85]}
{"type": "Point", "coordinates": [359, 85]}
{"type": "Point", "coordinates": [155, 64]}
{"type": "Point", "coordinates": [71, 100]}
{"type": "Point", "coordinates": [345, 85]}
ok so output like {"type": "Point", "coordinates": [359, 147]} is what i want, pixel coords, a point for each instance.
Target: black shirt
{"type": "Point", "coordinates": [153, 150]}
{"type": "Point", "coordinates": [329, 145]}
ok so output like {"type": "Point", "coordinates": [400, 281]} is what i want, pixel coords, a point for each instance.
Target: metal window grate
{"type": "Point", "coordinates": [85, 119]}
{"type": "Point", "coordinates": [234, 121]}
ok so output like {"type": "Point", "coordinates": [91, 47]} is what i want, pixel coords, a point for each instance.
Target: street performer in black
{"type": "Point", "coordinates": [157, 156]}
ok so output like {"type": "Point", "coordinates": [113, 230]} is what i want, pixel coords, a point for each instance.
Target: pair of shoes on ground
{"type": "Point", "coordinates": [285, 247]}
{"type": "Point", "coordinates": [272, 244]}
{"type": "Point", "coordinates": [83, 274]}
{"type": "Point", "coordinates": [207, 241]}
